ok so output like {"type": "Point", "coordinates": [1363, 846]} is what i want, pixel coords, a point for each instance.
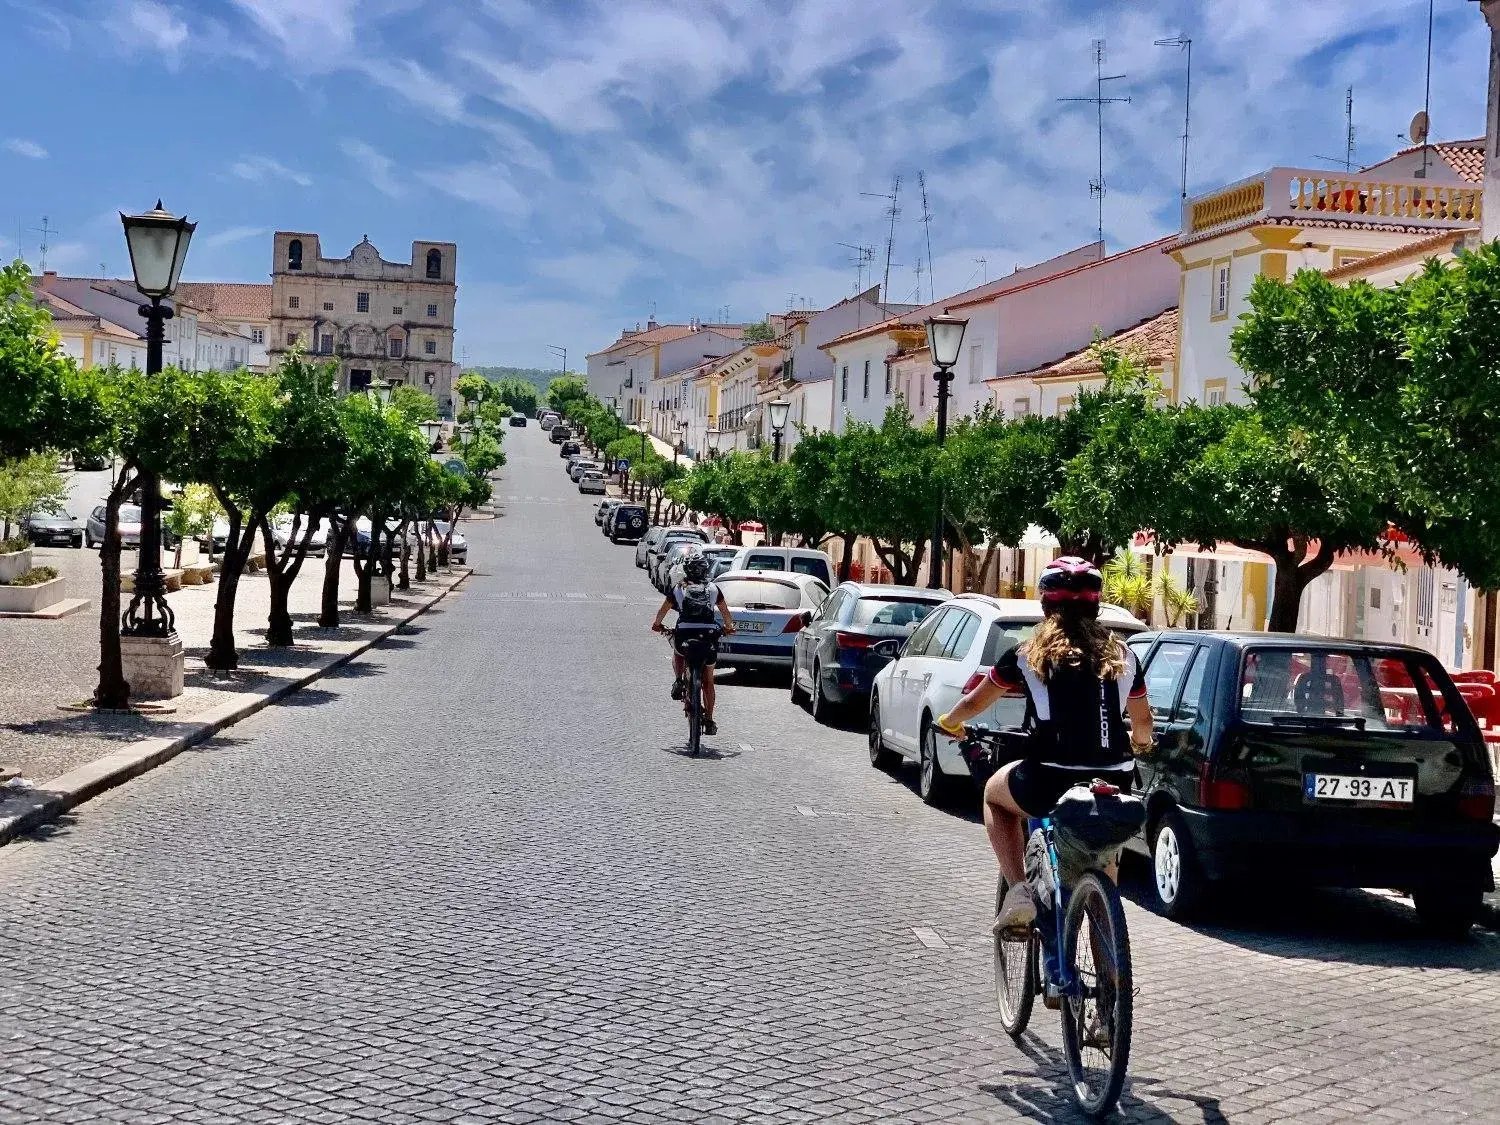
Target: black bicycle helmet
{"type": "Point", "coordinates": [695, 567]}
{"type": "Point", "coordinates": [1070, 583]}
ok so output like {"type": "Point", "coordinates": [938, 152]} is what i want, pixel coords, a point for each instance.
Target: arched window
{"type": "Point", "coordinates": [434, 263]}
{"type": "Point", "coordinates": [294, 254]}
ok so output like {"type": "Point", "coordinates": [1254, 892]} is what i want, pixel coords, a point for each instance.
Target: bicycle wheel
{"type": "Point", "coordinates": [1097, 1020]}
{"type": "Point", "coordinates": [695, 710]}
{"type": "Point", "coordinates": [1015, 973]}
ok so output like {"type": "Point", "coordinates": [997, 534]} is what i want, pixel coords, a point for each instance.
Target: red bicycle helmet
{"type": "Point", "coordinates": [1070, 582]}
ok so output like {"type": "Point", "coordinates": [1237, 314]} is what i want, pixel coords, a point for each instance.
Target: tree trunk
{"type": "Point", "coordinates": [333, 562]}
{"type": "Point", "coordinates": [847, 559]}
{"type": "Point", "coordinates": [112, 691]}
{"type": "Point", "coordinates": [282, 569]}
{"type": "Point", "coordinates": [420, 552]}
{"type": "Point", "coordinates": [1294, 573]}
{"type": "Point", "coordinates": [404, 582]}
{"type": "Point", "coordinates": [365, 568]}
{"type": "Point", "coordinates": [222, 654]}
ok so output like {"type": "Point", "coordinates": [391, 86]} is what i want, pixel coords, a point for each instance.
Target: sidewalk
{"type": "Point", "coordinates": [44, 664]}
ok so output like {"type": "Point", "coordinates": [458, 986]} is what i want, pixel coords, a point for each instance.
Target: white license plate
{"type": "Point", "coordinates": [750, 626]}
{"type": "Point", "coordinates": [1341, 787]}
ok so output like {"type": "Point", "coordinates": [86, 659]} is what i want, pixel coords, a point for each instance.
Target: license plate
{"type": "Point", "coordinates": [749, 626]}
{"type": "Point", "coordinates": [1341, 787]}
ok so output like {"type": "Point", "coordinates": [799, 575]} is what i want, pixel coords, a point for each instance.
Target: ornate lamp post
{"type": "Point", "coordinates": [380, 392]}
{"type": "Point", "coordinates": [158, 242]}
{"type": "Point", "coordinates": [945, 339]}
{"type": "Point", "coordinates": [712, 437]}
{"type": "Point", "coordinates": [432, 431]}
{"type": "Point", "coordinates": [681, 427]}
{"type": "Point", "coordinates": [779, 409]}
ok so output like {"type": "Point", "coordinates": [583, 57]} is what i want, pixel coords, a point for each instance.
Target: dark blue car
{"type": "Point", "coordinates": [855, 634]}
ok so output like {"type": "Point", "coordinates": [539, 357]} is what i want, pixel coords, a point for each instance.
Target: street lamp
{"type": "Point", "coordinates": [779, 408]}
{"type": "Point", "coordinates": [681, 427]}
{"type": "Point", "coordinates": [380, 392]}
{"type": "Point", "coordinates": [432, 431]}
{"type": "Point", "coordinates": [712, 437]}
{"type": "Point", "coordinates": [945, 340]}
{"type": "Point", "coordinates": [158, 242]}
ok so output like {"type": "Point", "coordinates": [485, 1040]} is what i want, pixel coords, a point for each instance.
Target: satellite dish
{"type": "Point", "coordinates": [1419, 127]}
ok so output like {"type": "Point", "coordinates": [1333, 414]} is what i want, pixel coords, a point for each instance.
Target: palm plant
{"type": "Point", "coordinates": [1127, 584]}
{"type": "Point", "coordinates": [1176, 602]}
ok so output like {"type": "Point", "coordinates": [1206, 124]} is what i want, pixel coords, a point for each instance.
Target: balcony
{"type": "Point", "coordinates": [1292, 195]}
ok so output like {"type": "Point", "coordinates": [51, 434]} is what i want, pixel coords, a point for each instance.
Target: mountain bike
{"type": "Point", "coordinates": [696, 644]}
{"type": "Point", "coordinates": [1076, 954]}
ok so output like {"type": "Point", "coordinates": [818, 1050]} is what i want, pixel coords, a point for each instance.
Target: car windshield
{"type": "Point", "coordinates": [1329, 687]}
{"type": "Point", "coordinates": [753, 593]}
{"type": "Point", "coordinates": [891, 611]}
{"type": "Point", "coordinates": [129, 513]}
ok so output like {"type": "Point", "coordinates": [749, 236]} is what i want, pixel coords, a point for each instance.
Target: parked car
{"type": "Point", "coordinates": [797, 560]}
{"type": "Point", "coordinates": [518, 420]}
{"type": "Point", "coordinates": [720, 565]}
{"type": "Point", "coordinates": [217, 536]}
{"type": "Point", "coordinates": [946, 657]}
{"type": "Point", "coordinates": [559, 434]}
{"type": "Point", "coordinates": [548, 418]}
{"type": "Point", "coordinates": [52, 529]}
{"type": "Point", "coordinates": [581, 466]}
{"type": "Point", "coordinates": [769, 609]}
{"type": "Point", "coordinates": [837, 654]}
{"type": "Point", "coordinates": [668, 536]}
{"type": "Point", "coordinates": [661, 566]}
{"type": "Point", "coordinates": [569, 449]}
{"type": "Point", "coordinates": [1314, 761]}
{"type": "Point", "coordinates": [281, 534]}
{"type": "Point", "coordinates": [129, 523]}
{"type": "Point", "coordinates": [668, 571]}
{"type": "Point", "coordinates": [604, 508]}
{"type": "Point", "coordinates": [592, 481]}
{"type": "Point", "coordinates": [626, 524]}
{"type": "Point", "coordinates": [458, 548]}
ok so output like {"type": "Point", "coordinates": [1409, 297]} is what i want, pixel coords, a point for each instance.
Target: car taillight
{"type": "Point", "coordinates": [975, 680]}
{"type": "Point", "coordinates": [1476, 799]}
{"type": "Point", "coordinates": [852, 640]}
{"type": "Point", "coordinates": [1223, 788]}
{"type": "Point", "coordinates": [794, 625]}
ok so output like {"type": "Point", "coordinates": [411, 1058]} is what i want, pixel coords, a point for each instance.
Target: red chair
{"type": "Point", "coordinates": [1477, 676]}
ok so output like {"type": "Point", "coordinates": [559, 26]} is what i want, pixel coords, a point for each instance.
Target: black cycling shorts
{"type": "Point", "coordinates": [1037, 788]}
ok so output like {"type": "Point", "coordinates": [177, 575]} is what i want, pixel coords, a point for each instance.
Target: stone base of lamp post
{"type": "Point", "coordinates": [153, 666]}
{"type": "Point", "coordinates": [380, 590]}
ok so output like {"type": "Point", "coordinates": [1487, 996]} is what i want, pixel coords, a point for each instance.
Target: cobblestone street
{"type": "Point", "coordinates": [472, 877]}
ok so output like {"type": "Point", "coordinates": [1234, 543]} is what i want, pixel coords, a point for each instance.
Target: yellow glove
{"type": "Point", "coordinates": [949, 727]}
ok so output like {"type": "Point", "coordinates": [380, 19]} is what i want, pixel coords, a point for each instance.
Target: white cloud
{"type": "Point", "coordinates": [232, 235]}
{"type": "Point", "coordinates": [258, 168]}
{"type": "Point", "coordinates": [376, 167]}
{"type": "Point", "coordinates": [29, 149]}
{"type": "Point", "coordinates": [148, 24]}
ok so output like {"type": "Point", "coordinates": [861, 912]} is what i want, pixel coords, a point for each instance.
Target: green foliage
{"type": "Point", "coordinates": [1126, 584]}
{"type": "Point", "coordinates": [28, 484]}
{"type": "Point", "coordinates": [566, 389]}
{"type": "Point", "coordinates": [1176, 602]}
{"type": "Point", "coordinates": [536, 377]}
{"type": "Point", "coordinates": [473, 388]}
{"type": "Point", "coordinates": [759, 333]}
{"type": "Point", "coordinates": [36, 576]}
{"type": "Point", "coordinates": [414, 404]}
{"type": "Point", "coordinates": [14, 543]}
{"type": "Point", "coordinates": [520, 395]}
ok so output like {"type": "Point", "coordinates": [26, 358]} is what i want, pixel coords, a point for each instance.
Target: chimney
{"type": "Point", "coordinates": [48, 277]}
{"type": "Point", "coordinates": [651, 325]}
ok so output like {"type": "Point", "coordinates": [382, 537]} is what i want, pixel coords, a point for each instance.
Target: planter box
{"type": "Point", "coordinates": [30, 599]}
{"type": "Point", "coordinates": [380, 591]}
{"type": "Point", "coordinates": [13, 564]}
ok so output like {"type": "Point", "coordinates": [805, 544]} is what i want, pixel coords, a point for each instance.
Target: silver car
{"type": "Point", "coordinates": [281, 532]}
{"type": "Point", "coordinates": [129, 525]}
{"type": "Point", "coordinates": [768, 609]}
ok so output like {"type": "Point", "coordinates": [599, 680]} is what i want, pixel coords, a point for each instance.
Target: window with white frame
{"type": "Point", "coordinates": [327, 306]}
{"type": "Point", "coordinates": [1215, 392]}
{"type": "Point", "coordinates": [1221, 289]}
{"type": "Point", "coordinates": [429, 347]}
{"type": "Point", "coordinates": [432, 310]}
{"type": "Point", "coordinates": [395, 348]}
{"type": "Point", "coordinates": [976, 358]}
{"type": "Point", "coordinates": [294, 302]}
{"type": "Point", "coordinates": [257, 335]}
{"type": "Point", "coordinates": [1020, 408]}
{"type": "Point", "coordinates": [362, 302]}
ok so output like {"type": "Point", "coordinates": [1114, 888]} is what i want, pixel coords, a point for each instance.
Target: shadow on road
{"type": "Point", "coordinates": [1043, 1094]}
{"type": "Point", "coordinates": [705, 752]}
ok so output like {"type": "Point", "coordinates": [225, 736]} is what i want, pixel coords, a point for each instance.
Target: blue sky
{"type": "Point", "coordinates": [598, 159]}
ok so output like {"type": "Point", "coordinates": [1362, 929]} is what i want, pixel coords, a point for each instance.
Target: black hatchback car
{"type": "Point", "coordinates": [1314, 761]}
{"type": "Point", "coordinates": [569, 448]}
{"type": "Point", "coordinates": [53, 529]}
{"type": "Point", "coordinates": [626, 524]}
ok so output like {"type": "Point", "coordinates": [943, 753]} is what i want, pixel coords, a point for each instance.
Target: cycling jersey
{"type": "Point", "coordinates": [1077, 720]}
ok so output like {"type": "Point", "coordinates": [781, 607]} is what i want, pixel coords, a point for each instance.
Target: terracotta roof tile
{"type": "Point", "coordinates": [1465, 157]}
{"type": "Point", "coordinates": [1153, 340]}
{"type": "Point", "coordinates": [235, 300]}
{"type": "Point", "coordinates": [1422, 249]}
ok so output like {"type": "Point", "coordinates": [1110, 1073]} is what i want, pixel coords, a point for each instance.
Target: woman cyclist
{"type": "Point", "coordinates": [697, 602]}
{"type": "Point", "coordinates": [1079, 682]}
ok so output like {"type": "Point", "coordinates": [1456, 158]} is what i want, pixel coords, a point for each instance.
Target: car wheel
{"type": "Point", "coordinates": [932, 782]}
{"type": "Point", "coordinates": [1177, 881]}
{"type": "Point", "coordinates": [78, 543]}
{"type": "Point", "coordinates": [823, 708]}
{"type": "Point", "coordinates": [799, 697]}
{"type": "Point", "coordinates": [88, 540]}
{"type": "Point", "coordinates": [1448, 912]}
{"type": "Point", "coordinates": [880, 757]}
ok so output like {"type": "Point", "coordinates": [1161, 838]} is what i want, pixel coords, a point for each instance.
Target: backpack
{"type": "Point", "coordinates": [697, 606]}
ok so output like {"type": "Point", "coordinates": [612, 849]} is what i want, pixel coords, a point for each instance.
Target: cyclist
{"type": "Point", "coordinates": [697, 602]}
{"type": "Point", "coordinates": [1079, 682]}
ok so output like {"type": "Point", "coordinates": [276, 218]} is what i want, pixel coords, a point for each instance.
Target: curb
{"type": "Point", "coordinates": [44, 805]}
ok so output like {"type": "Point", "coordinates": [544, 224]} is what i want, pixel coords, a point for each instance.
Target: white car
{"type": "Point", "coordinates": [592, 481]}
{"type": "Point", "coordinates": [578, 468]}
{"type": "Point", "coordinates": [768, 609]}
{"type": "Point", "coordinates": [281, 532]}
{"type": "Point", "coordinates": [947, 656]}
{"type": "Point", "coordinates": [794, 560]}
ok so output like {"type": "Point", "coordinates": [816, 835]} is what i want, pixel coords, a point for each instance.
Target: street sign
{"type": "Point", "coordinates": [456, 466]}
{"type": "Point", "coordinates": [622, 466]}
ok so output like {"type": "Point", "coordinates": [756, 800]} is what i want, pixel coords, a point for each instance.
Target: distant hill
{"type": "Point", "coordinates": [538, 377]}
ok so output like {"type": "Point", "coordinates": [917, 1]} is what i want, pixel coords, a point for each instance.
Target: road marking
{"type": "Point", "coordinates": [805, 811]}
{"type": "Point", "coordinates": [577, 597]}
{"type": "Point", "coordinates": [744, 747]}
{"type": "Point", "coordinates": [929, 938]}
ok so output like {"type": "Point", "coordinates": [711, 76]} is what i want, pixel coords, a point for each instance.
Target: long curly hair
{"type": "Point", "coordinates": [1074, 639]}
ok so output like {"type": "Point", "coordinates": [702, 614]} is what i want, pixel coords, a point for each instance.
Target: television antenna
{"type": "Point", "coordinates": [45, 230]}
{"type": "Point", "coordinates": [1187, 99]}
{"type": "Point", "coordinates": [984, 269]}
{"type": "Point", "coordinates": [1426, 115]}
{"type": "Point", "coordinates": [927, 228]}
{"type": "Point", "coordinates": [1099, 101]}
{"type": "Point", "coordinates": [893, 209]}
{"type": "Point", "coordinates": [862, 259]}
{"type": "Point", "coordinates": [1348, 159]}
{"type": "Point", "coordinates": [920, 270]}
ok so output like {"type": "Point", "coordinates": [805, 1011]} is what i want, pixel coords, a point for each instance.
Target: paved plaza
{"type": "Point", "coordinates": [472, 877]}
